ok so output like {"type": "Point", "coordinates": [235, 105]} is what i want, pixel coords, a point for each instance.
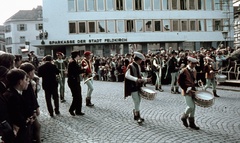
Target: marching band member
{"type": "Point", "coordinates": [87, 64]}
{"type": "Point", "coordinates": [62, 66]}
{"type": "Point", "coordinates": [210, 69]}
{"type": "Point", "coordinates": [187, 81]}
{"type": "Point", "coordinates": [133, 83]}
{"type": "Point", "coordinates": [157, 69]}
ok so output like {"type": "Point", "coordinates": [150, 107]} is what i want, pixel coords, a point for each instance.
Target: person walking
{"type": "Point", "coordinates": [48, 71]}
{"type": "Point", "coordinates": [74, 71]}
{"type": "Point", "coordinates": [133, 83]}
{"type": "Point", "coordinates": [157, 69]}
{"type": "Point", "coordinates": [62, 66]}
{"type": "Point", "coordinates": [187, 81]}
{"type": "Point", "coordinates": [88, 76]}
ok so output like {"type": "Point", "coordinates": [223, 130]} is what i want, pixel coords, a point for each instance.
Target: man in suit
{"type": "Point", "coordinates": [48, 72]}
{"type": "Point", "coordinates": [74, 71]}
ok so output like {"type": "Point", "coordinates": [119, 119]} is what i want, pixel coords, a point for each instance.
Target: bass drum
{"type": "Point", "coordinates": [221, 77]}
{"type": "Point", "coordinates": [204, 98]}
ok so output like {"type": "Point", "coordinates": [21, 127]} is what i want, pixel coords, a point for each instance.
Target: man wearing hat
{"type": "Point", "coordinates": [187, 80]}
{"type": "Point", "coordinates": [133, 83]}
{"type": "Point", "coordinates": [61, 64]}
{"type": "Point", "coordinates": [210, 68]}
{"type": "Point", "coordinates": [173, 69]}
{"type": "Point", "coordinates": [87, 64]}
{"type": "Point", "coordinates": [157, 69]}
{"type": "Point", "coordinates": [74, 71]}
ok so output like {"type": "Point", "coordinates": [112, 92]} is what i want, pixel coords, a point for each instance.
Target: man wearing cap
{"type": "Point", "coordinates": [133, 83]}
{"type": "Point", "coordinates": [61, 64]}
{"type": "Point", "coordinates": [210, 68]}
{"type": "Point", "coordinates": [187, 81]}
{"type": "Point", "coordinates": [87, 64]}
{"type": "Point", "coordinates": [173, 68]}
{"type": "Point", "coordinates": [74, 71]}
{"type": "Point", "coordinates": [157, 69]}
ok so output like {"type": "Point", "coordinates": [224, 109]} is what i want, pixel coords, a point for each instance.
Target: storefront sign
{"type": "Point", "coordinates": [89, 41]}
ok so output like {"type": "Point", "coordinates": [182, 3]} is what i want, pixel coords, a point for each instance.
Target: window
{"type": "Point", "coordinates": [200, 4]}
{"type": "Point", "coordinates": [71, 5]}
{"type": "Point", "coordinates": [81, 5]}
{"type": "Point", "coordinates": [120, 26]}
{"type": "Point", "coordinates": [217, 25]}
{"type": "Point", "coordinates": [8, 40]}
{"type": "Point", "coordinates": [166, 24]}
{"type": "Point", "coordinates": [22, 39]}
{"type": "Point", "coordinates": [208, 4]}
{"type": "Point", "coordinates": [8, 28]}
{"type": "Point", "coordinates": [110, 5]}
{"type": "Point", "coordinates": [147, 5]}
{"type": "Point", "coordinates": [129, 5]}
{"type": "Point", "coordinates": [209, 25]}
{"type": "Point", "coordinates": [139, 26]}
{"type": "Point", "coordinates": [201, 25]}
{"type": "Point", "coordinates": [100, 5]}
{"type": "Point", "coordinates": [156, 4]}
{"type": "Point", "coordinates": [165, 4]}
{"type": "Point", "coordinates": [101, 26]}
{"type": "Point", "coordinates": [110, 26]}
{"type": "Point", "coordinates": [192, 5]}
{"type": "Point", "coordinates": [184, 25]}
{"type": "Point", "coordinates": [82, 27]}
{"type": "Point", "coordinates": [217, 4]}
{"type": "Point", "coordinates": [119, 4]}
{"type": "Point", "coordinates": [148, 25]}
{"type": "Point", "coordinates": [174, 4]}
{"type": "Point", "coordinates": [91, 27]}
{"type": "Point", "coordinates": [72, 27]}
{"type": "Point", "coordinates": [183, 4]}
{"type": "Point", "coordinates": [90, 5]}
{"type": "Point", "coordinates": [175, 25]}
{"type": "Point", "coordinates": [138, 4]}
{"type": "Point", "coordinates": [192, 25]}
{"type": "Point", "coordinates": [22, 27]}
{"type": "Point", "coordinates": [157, 25]}
{"type": "Point", "coordinates": [130, 25]}
{"type": "Point", "coordinates": [39, 26]}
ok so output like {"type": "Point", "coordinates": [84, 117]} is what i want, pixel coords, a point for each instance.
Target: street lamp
{"type": "Point", "coordinates": [225, 35]}
{"type": "Point", "coordinates": [43, 35]}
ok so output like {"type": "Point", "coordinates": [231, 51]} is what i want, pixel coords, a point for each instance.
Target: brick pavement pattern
{"type": "Point", "coordinates": [111, 119]}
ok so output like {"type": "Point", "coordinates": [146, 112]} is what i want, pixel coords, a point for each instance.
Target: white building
{"type": "Point", "coordinates": [21, 29]}
{"type": "Point", "coordinates": [121, 26]}
{"type": "Point", "coordinates": [2, 38]}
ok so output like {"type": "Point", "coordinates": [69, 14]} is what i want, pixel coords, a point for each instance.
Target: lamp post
{"type": "Point", "coordinates": [225, 35]}
{"type": "Point", "coordinates": [43, 35]}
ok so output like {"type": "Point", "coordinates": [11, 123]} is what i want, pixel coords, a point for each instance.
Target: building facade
{"type": "Point", "coordinates": [2, 38]}
{"type": "Point", "coordinates": [21, 29]}
{"type": "Point", "coordinates": [109, 27]}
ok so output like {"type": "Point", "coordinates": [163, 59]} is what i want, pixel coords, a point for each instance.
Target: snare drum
{"type": "Point", "coordinates": [147, 93]}
{"type": "Point", "coordinates": [204, 98]}
{"type": "Point", "coordinates": [221, 77]}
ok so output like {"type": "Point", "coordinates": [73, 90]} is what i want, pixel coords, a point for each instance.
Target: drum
{"type": "Point", "coordinates": [204, 98]}
{"type": "Point", "coordinates": [147, 93]}
{"type": "Point", "coordinates": [221, 77]}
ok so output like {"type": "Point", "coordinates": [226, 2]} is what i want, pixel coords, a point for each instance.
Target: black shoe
{"type": "Point", "coordinates": [80, 114]}
{"type": "Point", "coordinates": [178, 92]}
{"type": "Point", "coordinates": [216, 96]}
{"type": "Point", "coordinates": [90, 105]}
{"type": "Point", "coordinates": [63, 100]}
{"type": "Point", "coordinates": [160, 90]}
{"type": "Point", "coordinates": [57, 113]}
{"type": "Point", "coordinates": [72, 113]}
{"type": "Point", "coordinates": [51, 114]}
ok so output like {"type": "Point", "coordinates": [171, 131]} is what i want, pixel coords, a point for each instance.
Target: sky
{"type": "Point", "coordinates": [9, 7]}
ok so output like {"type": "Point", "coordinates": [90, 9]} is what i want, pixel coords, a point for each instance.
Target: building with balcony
{"type": "Point", "coordinates": [108, 27]}
{"type": "Point", "coordinates": [21, 29]}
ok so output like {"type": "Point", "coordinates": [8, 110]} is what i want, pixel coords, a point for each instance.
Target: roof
{"type": "Point", "coordinates": [30, 15]}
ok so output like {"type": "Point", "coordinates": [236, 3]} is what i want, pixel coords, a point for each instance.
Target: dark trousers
{"type": "Point", "coordinates": [53, 93]}
{"type": "Point", "coordinates": [24, 135]}
{"type": "Point", "coordinates": [77, 96]}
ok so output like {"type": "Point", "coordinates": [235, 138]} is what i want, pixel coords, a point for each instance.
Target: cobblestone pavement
{"type": "Point", "coordinates": [111, 120]}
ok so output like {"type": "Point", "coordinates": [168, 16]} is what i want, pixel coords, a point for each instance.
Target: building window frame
{"type": "Point", "coordinates": [72, 26]}
{"type": "Point", "coordinates": [91, 26]}
{"type": "Point", "coordinates": [22, 27]}
{"type": "Point", "coordinates": [82, 27]}
{"type": "Point", "coordinates": [101, 26]}
{"type": "Point", "coordinates": [157, 25]}
{"type": "Point", "coordinates": [130, 25]}
{"type": "Point", "coordinates": [119, 4]}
